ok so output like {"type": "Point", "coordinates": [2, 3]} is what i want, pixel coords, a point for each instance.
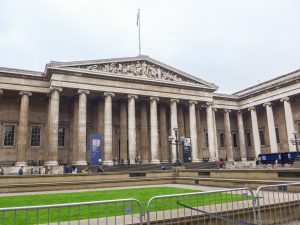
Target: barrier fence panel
{"type": "Point", "coordinates": [231, 206]}
{"type": "Point", "coordinates": [278, 204]}
{"type": "Point", "coordinates": [121, 211]}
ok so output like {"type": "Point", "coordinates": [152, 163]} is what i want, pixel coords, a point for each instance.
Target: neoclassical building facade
{"type": "Point", "coordinates": [134, 103]}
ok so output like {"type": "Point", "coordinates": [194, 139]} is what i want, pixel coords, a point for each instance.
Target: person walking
{"type": "Point", "coordinates": [21, 171]}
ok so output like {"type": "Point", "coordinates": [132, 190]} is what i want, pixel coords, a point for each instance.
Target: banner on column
{"type": "Point", "coordinates": [96, 149]}
{"type": "Point", "coordinates": [187, 150]}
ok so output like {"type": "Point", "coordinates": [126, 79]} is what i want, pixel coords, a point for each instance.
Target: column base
{"type": "Point", "coordinates": [21, 164]}
{"type": "Point", "coordinates": [195, 160]}
{"type": "Point", "coordinates": [155, 161]}
{"type": "Point", "coordinates": [51, 163]}
{"type": "Point", "coordinates": [79, 163]}
{"type": "Point", "coordinates": [244, 159]}
{"type": "Point", "coordinates": [108, 163]}
{"type": "Point", "coordinates": [165, 161]}
{"type": "Point", "coordinates": [145, 161]}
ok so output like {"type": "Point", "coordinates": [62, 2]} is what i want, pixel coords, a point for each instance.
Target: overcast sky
{"type": "Point", "coordinates": [232, 43]}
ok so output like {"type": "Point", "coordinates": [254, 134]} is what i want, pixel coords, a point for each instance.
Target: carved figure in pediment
{"type": "Point", "coordinates": [138, 69]}
{"type": "Point", "coordinates": [144, 69]}
{"type": "Point", "coordinates": [106, 68]}
{"type": "Point", "coordinates": [159, 74]}
{"type": "Point", "coordinates": [152, 72]}
{"type": "Point", "coordinates": [91, 67]}
{"type": "Point", "coordinates": [120, 68]}
{"type": "Point", "coordinates": [112, 68]}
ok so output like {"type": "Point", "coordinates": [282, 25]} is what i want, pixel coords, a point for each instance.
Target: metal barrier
{"type": "Point", "coordinates": [121, 211]}
{"type": "Point", "coordinates": [272, 204]}
{"type": "Point", "coordinates": [278, 204]}
{"type": "Point", "coordinates": [231, 206]}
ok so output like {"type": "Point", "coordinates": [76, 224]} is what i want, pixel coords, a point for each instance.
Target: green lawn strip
{"type": "Point", "coordinates": [103, 210]}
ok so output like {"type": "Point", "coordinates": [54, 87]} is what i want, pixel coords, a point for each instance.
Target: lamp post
{"type": "Point", "coordinates": [177, 143]}
{"type": "Point", "coordinates": [296, 141]}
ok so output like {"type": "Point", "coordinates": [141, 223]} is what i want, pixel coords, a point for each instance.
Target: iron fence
{"type": "Point", "coordinates": [278, 204]}
{"type": "Point", "coordinates": [231, 206]}
{"type": "Point", "coordinates": [272, 204]}
{"type": "Point", "coordinates": [121, 211]}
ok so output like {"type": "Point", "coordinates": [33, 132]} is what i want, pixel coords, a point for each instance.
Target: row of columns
{"type": "Point", "coordinates": [271, 126]}
{"type": "Point", "coordinates": [128, 128]}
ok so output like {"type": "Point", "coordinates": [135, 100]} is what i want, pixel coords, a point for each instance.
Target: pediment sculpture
{"type": "Point", "coordinates": [139, 69]}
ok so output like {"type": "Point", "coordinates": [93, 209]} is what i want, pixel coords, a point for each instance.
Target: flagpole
{"type": "Point", "coordinates": [139, 24]}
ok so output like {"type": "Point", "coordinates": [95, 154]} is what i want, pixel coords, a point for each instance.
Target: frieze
{"type": "Point", "coordinates": [141, 69]}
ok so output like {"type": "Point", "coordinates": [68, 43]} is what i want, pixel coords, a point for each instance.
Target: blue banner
{"type": "Point", "coordinates": [96, 149]}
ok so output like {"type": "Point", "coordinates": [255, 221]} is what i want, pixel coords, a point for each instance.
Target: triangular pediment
{"type": "Point", "coordinates": [138, 68]}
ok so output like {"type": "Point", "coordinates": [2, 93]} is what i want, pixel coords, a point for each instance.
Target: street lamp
{"type": "Point", "coordinates": [296, 142]}
{"type": "Point", "coordinates": [177, 143]}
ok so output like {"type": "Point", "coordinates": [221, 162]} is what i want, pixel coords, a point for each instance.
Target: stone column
{"type": "Point", "coordinates": [241, 136]}
{"type": "Point", "coordinates": [108, 128]}
{"type": "Point", "coordinates": [81, 135]}
{"type": "Point", "coordinates": [154, 130]}
{"type": "Point", "coordinates": [193, 131]}
{"type": "Point", "coordinates": [198, 122]}
{"type": "Point", "coordinates": [23, 129]}
{"type": "Point", "coordinates": [228, 135]}
{"type": "Point", "coordinates": [53, 127]}
{"type": "Point", "coordinates": [255, 131]}
{"type": "Point", "coordinates": [181, 129]}
{"type": "Point", "coordinates": [75, 130]}
{"type": "Point", "coordinates": [210, 130]}
{"type": "Point", "coordinates": [144, 143]}
{"type": "Point", "coordinates": [289, 121]}
{"type": "Point", "coordinates": [174, 123]}
{"type": "Point", "coordinates": [271, 127]}
{"type": "Point", "coordinates": [131, 127]}
{"type": "Point", "coordinates": [164, 148]}
{"type": "Point", "coordinates": [214, 110]}
{"type": "Point", "coordinates": [123, 130]}
{"type": "Point", "coordinates": [100, 117]}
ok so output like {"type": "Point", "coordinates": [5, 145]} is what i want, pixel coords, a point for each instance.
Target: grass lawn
{"type": "Point", "coordinates": [94, 211]}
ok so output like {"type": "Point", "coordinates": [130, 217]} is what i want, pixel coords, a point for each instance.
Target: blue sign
{"type": "Point", "coordinates": [96, 149]}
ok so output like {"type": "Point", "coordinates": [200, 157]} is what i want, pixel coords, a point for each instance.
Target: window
{"type": "Point", "coordinates": [222, 140]}
{"type": "Point", "coordinates": [35, 136]}
{"type": "Point", "coordinates": [9, 135]}
{"type": "Point", "coordinates": [248, 139]}
{"type": "Point", "coordinates": [206, 138]}
{"type": "Point", "coordinates": [262, 137]}
{"type": "Point", "coordinates": [277, 135]}
{"type": "Point", "coordinates": [61, 137]}
{"type": "Point", "coordinates": [234, 140]}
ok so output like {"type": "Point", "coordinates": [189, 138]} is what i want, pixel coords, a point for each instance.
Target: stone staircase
{"type": "Point", "coordinates": [153, 167]}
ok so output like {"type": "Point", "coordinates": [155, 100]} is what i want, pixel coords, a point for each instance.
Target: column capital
{"type": "Point", "coordinates": [25, 93]}
{"type": "Point", "coordinates": [268, 104]}
{"type": "Point", "coordinates": [132, 96]}
{"type": "Point", "coordinates": [227, 110]}
{"type": "Point", "coordinates": [154, 98]}
{"type": "Point", "coordinates": [251, 108]}
{"type": "Point", "coordinates": [210, 103]}
{"type": "Point", "coordinates": [214, 109]}
{"type": "Point", "coordinates": [287, 99]}
{"type": "Point", "coordinates": [80, 91]}
{"type": "Point", "coordinates": [174, 100]}
{"type": "Point", "coordinates": [191, 102]}
{"type": "Point", "coordinates": [240, 111]}
{"type": "Point", "coordinates": [55, 89]}
{"type": "Point", "coordinates": [109, 94]}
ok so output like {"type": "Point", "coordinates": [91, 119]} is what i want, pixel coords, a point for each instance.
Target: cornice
{"type": "Point", "coordinates": [277, 82]}
{"type": "Point", "coordinates": [26, 74]}
{"type": "Point", "coordinates": [126, 59]}
{"type": "Point", "coordinates": [131, 79]}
